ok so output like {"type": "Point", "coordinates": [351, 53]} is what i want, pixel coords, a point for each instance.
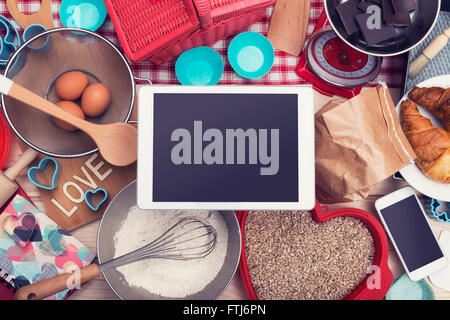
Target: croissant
{"type": "Point", "coordinates": [435, 99]}
{"type": "Point", "coordinates": [431, 144]}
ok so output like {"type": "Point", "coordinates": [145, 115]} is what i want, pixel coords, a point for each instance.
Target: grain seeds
{"type": "Point", "coordinates": [290, 256]}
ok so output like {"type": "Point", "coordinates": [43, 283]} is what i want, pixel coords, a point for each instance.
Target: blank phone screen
{"type": "Point", "coordinates": [412, 234]}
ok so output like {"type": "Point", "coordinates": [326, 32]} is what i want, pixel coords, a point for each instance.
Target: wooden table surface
{"type": "Point", "coordinates": [98, 289]}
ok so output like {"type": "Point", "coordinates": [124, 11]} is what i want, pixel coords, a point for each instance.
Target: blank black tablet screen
{"type": "Point", "coordinates": [225, 148]}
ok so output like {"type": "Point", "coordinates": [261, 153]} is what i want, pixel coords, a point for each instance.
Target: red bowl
{"type": "Point", "coordinates": [5, 141]}
{"type": "Point", "coordinates": [373, 287]}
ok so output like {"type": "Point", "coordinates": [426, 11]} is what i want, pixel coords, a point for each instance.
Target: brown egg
{"type": "Point", "coordinates": [95, 99]}
{"type": "Point", "coordinates": [70, 85]}
{"type": "Point", "coordinates": [74, 109]}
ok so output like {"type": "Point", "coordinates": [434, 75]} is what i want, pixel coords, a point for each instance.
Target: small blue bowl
{"type": "Point", "coordinates": [404, 288]}
{"type": "Point", "coordinates": [251, 55]}
{"type": "Point", "coordinates": [201, 66]}
{"type": "Point", "coordinates": [85, 14]}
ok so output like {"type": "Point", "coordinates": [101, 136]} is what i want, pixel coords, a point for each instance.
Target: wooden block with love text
{"type": "Point", "coordinates": [66, 204]}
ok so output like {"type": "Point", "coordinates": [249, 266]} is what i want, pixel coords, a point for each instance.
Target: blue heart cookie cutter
{"type": "Point", "coordinates": [43, 164]}
{"type": "Point", "coordinates": [88, 198]}
{"type": "Point", "coordinates": [439, 210]}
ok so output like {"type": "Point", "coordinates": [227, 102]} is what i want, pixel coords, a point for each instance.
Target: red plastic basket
{"type": "Point", "coordinates": [160, 31]}
{"type": "Point", "coordinates": [143, 26]}
{"type": "Point", "coordinates": [380, 259]}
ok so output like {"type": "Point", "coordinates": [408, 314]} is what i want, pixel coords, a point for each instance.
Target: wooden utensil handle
{"type": "Point", "coordinates": [43, 16]}
{"type": "Point", "coordinates": [25, 159]}
{"type": "Point", "coordinates": [288, 25]}
{"type": "Point", "coordinates": [435, 46]}
{"type": "Point", "coordinates": [48, 287]}
{"type": "Point", "coordinates": [429, 53]}
{"type": "Point", "coordinates": [16, 91]}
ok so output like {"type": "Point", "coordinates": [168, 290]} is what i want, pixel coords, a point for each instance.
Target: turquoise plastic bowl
{"type": "Point", "coordinates": [405, 289]}
{"type": "Point", "coordinates": [251, 55]}
{"type": "Point", "coordinates": [201, 66]}
{"type": "Point", "coordinates": [86, 14]}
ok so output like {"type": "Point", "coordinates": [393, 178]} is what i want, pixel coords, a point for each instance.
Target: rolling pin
{"type": "Point", "coordinates": [429, 53]}
{"type": "Point", "coordinates": [7, 179]}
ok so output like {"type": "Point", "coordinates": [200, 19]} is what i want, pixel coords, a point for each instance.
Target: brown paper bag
{"type": "Point", "coordinates": [359, 143]}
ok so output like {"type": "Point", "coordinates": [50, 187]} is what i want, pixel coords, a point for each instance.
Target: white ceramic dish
{"type": "Point", "coordinates": [412, 173]}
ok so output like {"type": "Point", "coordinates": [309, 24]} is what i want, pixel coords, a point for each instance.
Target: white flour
{"type": "Point", "coordinates": [168, 278]}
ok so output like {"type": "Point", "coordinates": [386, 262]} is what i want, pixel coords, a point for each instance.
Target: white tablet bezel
{"type": "Point", "coordinates": [391, 199]}
{"type": "Point", "coordinates": [306, 167]}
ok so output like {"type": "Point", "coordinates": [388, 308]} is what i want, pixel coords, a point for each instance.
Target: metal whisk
{"type": "Point", "coordinates": [189, 238]}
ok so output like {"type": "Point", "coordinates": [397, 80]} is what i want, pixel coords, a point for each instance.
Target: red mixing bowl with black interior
{"type": "Point", "coordinates": [373, 287]}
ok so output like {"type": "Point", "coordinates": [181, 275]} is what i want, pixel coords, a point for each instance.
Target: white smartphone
{"type": "Point", "coordinates": [408, 228]}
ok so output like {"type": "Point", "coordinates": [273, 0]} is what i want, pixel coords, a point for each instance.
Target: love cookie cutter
{"type": "Point", "coordinates": [43, 164]}
{"type": "Point", "coordinates": [88, 198]}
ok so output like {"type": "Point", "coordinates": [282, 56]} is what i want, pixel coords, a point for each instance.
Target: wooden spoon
{"type": "Point", "coordinates": [117, 142]}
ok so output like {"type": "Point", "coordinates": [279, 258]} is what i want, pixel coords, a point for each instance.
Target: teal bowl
{"type": "Point", "coordinates": [85, 14]}
{"type": "Point", "coordinates": [201, 66]}
{"type": "Point", "coordinates": [251, 55]}
{"type": "Point", "coordinates": [405, 289]}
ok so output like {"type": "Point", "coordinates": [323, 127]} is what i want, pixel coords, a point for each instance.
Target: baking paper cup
{"type": "Point", "coordinates": [199, 66]}
{"type": "Point", "coordinates": [251, 55]}
{"type": "Point", "coordinates": [85, 14]}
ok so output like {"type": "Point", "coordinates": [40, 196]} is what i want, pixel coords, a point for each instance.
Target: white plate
{"type": "Point", "coordinates": [412, 173]}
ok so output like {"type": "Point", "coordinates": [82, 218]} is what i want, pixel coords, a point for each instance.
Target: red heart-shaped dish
{"type": "Point", "coordinates": [366, 290]}
{"type": "Point", "coordinates": [5, 141]}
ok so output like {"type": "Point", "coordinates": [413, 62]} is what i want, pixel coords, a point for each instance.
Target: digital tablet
{"type": "Point", "coordinates": [226, 148]}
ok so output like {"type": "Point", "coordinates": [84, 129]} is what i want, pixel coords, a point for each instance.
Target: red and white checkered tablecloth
{"type": "Point", "coordinates": [282, 73]}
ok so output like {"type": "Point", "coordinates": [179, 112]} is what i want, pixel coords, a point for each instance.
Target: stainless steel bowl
{"type": "Point", "coordinates": [114, 215]}
{"type": "Point", "coordinates": [423, 21]}
{"type": "Point", "coordinates": [37, 70]}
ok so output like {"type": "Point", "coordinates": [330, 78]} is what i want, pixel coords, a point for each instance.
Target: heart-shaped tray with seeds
{"type": "Point", "coordinates": [376, 281]}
